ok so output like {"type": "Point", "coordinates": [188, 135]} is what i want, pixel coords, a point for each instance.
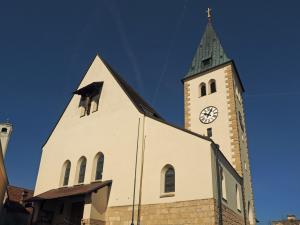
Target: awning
{"type": "Point", "coordinates": [70, 191]}
{"type": "Point", "coordinates": [89, 89]}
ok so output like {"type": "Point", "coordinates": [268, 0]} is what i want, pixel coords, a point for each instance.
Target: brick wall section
{"type": "Point", "coordinates": [233, 120]}
{"type": "Point", "coordinates": [178, 213]}
{"type": "Point", "coordinates": [187, 105]}
{"type": "Point", "coordinates": [231, 218]}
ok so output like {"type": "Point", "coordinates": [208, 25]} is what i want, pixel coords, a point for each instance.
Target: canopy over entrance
{"type": "Point", "coordinates": [70, 191]}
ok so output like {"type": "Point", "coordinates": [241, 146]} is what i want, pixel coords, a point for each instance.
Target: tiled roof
{"type": "Point", "coordinates": [209, 54]}
{"type": "Point", "coordinates": [18, 194]}
{"type": "Point", "coordinates": [15, 201]}
{"type": "Point", "coordinates": [70, 191]}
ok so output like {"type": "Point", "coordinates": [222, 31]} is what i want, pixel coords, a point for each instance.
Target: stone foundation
{"type": "Point", "coordinates": [180, 213]}
{"type": "Point", "coordinates": [231, 218]}
{"type": "Point", "coordinates": [92, 222]}
{"type": "Point", "coordinates": [196, 212]}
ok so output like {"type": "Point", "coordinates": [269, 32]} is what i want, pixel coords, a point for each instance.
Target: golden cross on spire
{"type": "Point", "coordinates": [209, 13]}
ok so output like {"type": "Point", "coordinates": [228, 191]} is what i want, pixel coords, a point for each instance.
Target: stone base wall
{"type": "Point", "coordinates": [231, 218]}
{"type": "Point", "coordinates": [195, 212]}
{"type": "Point", "coordinates": [180, 213]}
{"type": "Point", "coordinates": [92, 222]}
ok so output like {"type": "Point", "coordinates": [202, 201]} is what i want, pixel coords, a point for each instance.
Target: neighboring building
{"type": "Point", "coordinates": [291, 220]}
{"type": "Point", "coordinates": [5, 132]}
{"type": "Point", "coordinates": [112, 159]}
{"type": "Point", "coordinates": [15, 212]}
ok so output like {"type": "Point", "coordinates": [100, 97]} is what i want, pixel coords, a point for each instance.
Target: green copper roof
{"type": "Point", "coordinates": [209, 54]}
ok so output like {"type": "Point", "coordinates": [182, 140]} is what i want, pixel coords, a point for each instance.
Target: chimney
{"type": "Point", "coordinates": [5, 132]}
{"type": "Point", "coordinates": [291, 217]}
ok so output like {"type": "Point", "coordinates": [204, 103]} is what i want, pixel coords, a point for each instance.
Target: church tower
{"type": "Point", "coordinates": [213, 106]}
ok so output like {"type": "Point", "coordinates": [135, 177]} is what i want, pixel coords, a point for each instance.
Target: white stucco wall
{"type": "Point", "coordinates": [231, 181]}
{"type": "Point", "coordinates": [220, 127]}
{"type": "Point", "coordinates": [189, 155]}
{"type": "Point", "coordinates": [113, 130]}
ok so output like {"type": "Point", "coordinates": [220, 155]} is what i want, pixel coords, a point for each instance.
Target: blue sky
{"type": "Point", "coordinates": [46, 47]}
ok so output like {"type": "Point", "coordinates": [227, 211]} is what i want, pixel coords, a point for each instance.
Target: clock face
{"type": "Point", "coordinates": [208, 114]}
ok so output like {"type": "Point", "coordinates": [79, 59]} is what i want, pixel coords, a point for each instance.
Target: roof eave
{"type": "Point", "coordinates": [215, 68]}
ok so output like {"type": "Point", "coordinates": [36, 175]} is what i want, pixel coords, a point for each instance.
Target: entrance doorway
{"type": "Point", "coordinates": [76, 212]}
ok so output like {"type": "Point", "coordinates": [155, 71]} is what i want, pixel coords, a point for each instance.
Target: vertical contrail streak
{"type": "Point", "coordinates": [169, 50]}
{"type": "Point", "coordinates": [112, 7]}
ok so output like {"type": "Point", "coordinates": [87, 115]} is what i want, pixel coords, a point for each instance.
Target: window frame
{"type": "Point", "coordinates": [81, 170]}
{"type": "Point", "coordinates": [238, 198]}
{"type": "Point", "coordinates": [210, 83]}
{"type": "Point", "coordinates": [97, 166]}
{"type": "Point", "coordinates": [223, 184]}
{"type": "Point", "coordinates": [90, 97]}
{"type": "Point", "coordinates": [209, 132]}
{"type": "Point", "coordinates": [202, 90]}
{"type": "Point", "coordinates": [164, 192]}
{"type": "Point", "coordinates": [65, 167]}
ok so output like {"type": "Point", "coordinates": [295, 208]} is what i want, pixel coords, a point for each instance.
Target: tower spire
{"type": "Point", "coordinates": [210, 52]}
{"type": "Point", "coordinates": [209, 14]}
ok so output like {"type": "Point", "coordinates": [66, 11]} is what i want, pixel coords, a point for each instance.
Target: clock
{"type": "Point", "coordinates": [208, 115]}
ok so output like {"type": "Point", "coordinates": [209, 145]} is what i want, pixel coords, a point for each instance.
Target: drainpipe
{"type": "Point", "coordinates": [134, 182]}
{"type": "Point", "coordinates": [219, 202]}
{"type": "Point", "coordinates": [141, 177]}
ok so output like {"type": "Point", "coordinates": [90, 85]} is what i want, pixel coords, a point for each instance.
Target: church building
{"type": "Point", "coordinates": [112, 159]}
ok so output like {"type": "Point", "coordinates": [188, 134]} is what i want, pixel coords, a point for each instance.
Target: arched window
{"type": "Point", "coordinates": [238, 198]}
{"type": "Point", "coordinates": [81, 166]}
{"type": "Point", "coordinates": [168, 179]}
{"type": "Point", "coordinates": [223, 184]}
{"type": "Point", "coordinates": [202, 89]}
{"type": "Point", "coordinates": [212, 86]}
{"type": "Point", "coordinates": [98, 166]}
{"type": "Point", "coordinates": [250, 213]}
{"type": "Point", "coordinates": [241, 122]}
{"type": "Point", "coordinates": [65, 175]}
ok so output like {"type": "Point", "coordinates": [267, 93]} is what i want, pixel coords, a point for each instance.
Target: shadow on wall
{"type": "Point", "coordinates": [14, 213]}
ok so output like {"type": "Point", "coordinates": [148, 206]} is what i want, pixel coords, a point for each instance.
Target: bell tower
{"type": "Point", "coordinates": [213, 105]}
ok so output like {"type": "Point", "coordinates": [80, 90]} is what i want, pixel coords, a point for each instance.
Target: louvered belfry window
{"type": "Point", "coordinates": [90, 96]}
{"type": "Point", "coordinates": [213, 87]}
{"type": "Point", "coordinates": [202, 89]}
{"type": "Point", "coordinates": [170, 180]}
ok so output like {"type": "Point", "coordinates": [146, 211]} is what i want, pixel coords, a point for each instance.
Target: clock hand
{"type": "Point", "coordinates": [210, 112]}
{"type": "Point", "coordinates": [207, 114]}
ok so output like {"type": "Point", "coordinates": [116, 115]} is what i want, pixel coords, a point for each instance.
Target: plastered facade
{"type": "Point", "coordinates": [227, 130]}
{"type": "Point", "coordinates": [220, 127]}
{"type": "Point", "coordinates": [123, 134]}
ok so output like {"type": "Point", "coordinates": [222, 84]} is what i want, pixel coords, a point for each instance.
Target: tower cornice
{"type": "Point", "coordinates": [230, 62]}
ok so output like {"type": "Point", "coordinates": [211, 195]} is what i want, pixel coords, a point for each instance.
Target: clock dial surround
{"type": "Point", "coordinates": [208, 115]}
